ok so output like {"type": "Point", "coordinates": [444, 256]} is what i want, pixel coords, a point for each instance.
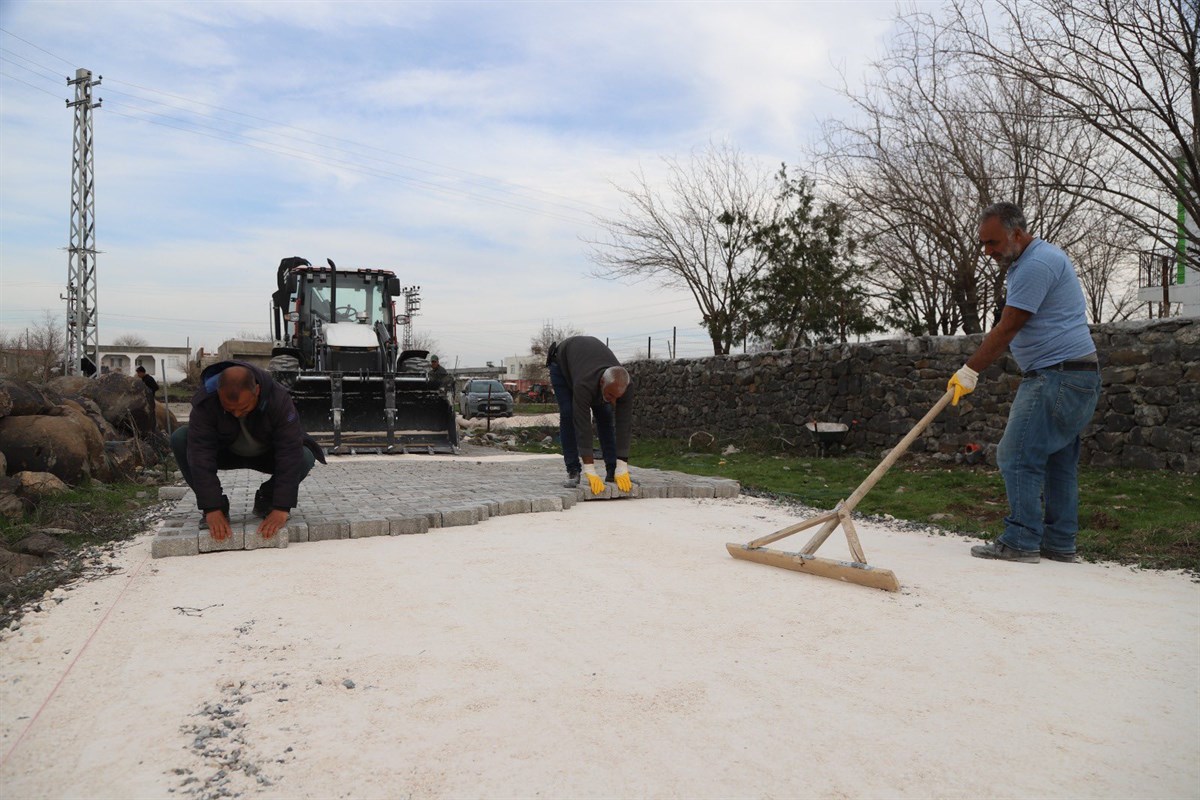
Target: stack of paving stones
{"type": "Point", "coordinates": [383, 497]}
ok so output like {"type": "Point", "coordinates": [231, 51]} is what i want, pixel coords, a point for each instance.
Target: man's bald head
{"type": "Point", "coordinates": [238, 390]}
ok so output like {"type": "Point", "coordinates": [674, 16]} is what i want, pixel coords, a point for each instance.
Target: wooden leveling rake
{"type": "Point", "coordinates": [857, 571]}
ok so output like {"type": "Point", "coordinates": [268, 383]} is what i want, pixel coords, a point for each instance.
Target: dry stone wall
{"type": "Point", "coordinates": [1148, 415]}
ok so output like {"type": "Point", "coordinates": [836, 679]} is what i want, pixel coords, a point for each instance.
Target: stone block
{"type": "Point", "coordinates": [236, 540]}
{"type": "Point", "coordinates": [538, 504]}
{"type": "Point", "coordinates": [256, 542]}
{"type": "Point", "coordinates": [513, 506]}
{"type": "Point", "coordinates": [324, 530]}
{"type": "Point", "coordinates": [175, 544]}
{"type": "Point", "coordinates": [452, 517]}
{"type": "Point", "coordinates": [297, 532]}
{"type": "Point", "coordinates": [400, 526]}
{"type": "Point", "coordinates": [172, 492]}
{"type": "Point", "coordinates": [360, 529]}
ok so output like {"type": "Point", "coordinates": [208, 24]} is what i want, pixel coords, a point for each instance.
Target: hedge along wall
{"type": "Point", "coordinates": [1148, 415]}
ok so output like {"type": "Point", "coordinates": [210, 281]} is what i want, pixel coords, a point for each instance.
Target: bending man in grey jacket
{"type": "Point", "coordinates": [589, 381]}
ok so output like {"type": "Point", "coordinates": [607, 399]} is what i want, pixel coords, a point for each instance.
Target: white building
{"type": "Point", "coordinates": [514, 366]}
{"type": "Point", "coordinates": [126, 359]}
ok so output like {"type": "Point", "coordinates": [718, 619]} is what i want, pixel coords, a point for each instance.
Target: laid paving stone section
{"type": "Point", "coordinates": [381, 497]}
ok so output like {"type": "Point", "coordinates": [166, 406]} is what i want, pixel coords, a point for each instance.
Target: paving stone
{"type": "Point", "coordinates": [383, 497]}
{"type": "Point", "coordinates": [459, 516]}
{"type": "Point", "coordinates": [546, 504]}
{"type": "Point", "coordinates": [399, 526]}
{"type": "Point", "coordinates": [256, 542]}
{"type": "Point", "coordinates": [513, 506]}
{"type": "Point", "coordinates": [235, 541]}
{"type": "Point", "coordinates": [324, 530]}
{"type": "Point", "coordinates": [375, 527]}
{"type": "Point", "coordinates": [296, 532]}
{"type": "Point", "coordinates": [174, 544]}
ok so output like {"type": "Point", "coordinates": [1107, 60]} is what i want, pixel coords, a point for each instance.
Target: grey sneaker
{"type": "Point", "coordinates": [1003, 552]}
{"type": "Point", "coordinates": [572, 481]}
{"type": "Point", "coordinates": [1066, 558]}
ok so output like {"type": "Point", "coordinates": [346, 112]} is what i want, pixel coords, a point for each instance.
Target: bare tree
{"type": "Point", "coordinates": [695, 232]}
{"type": "Point", "coordinates": [423, 340]}
{"type": "Point", "coordinates": [130, 340]}
{"type": "Point", "coordinates": [937, 137]}
{"type": "Point", "coordinates": [37, 353]}
{"type": "Point", "coordinates": [1125, 69]}
{"type": "Point", "coordinates": [539, 345]}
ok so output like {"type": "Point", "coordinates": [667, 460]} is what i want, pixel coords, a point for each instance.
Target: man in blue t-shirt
{"type": "Point", "coordinates": [1045, 321]}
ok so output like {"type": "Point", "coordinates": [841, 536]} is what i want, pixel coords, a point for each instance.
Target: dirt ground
{"type": "Point", "coordinates": [613, 650]}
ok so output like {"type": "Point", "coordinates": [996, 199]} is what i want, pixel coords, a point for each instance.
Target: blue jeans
{"type": "Point", "coordinates": [1039, 459]}
{"type": "Point", "coordinates": [602, 412]}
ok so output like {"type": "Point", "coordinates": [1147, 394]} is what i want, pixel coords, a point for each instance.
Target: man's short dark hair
{"type": "Point", "coordinates": [1010, 215]}
{"type": "Point", "coordinates": [140, 369]}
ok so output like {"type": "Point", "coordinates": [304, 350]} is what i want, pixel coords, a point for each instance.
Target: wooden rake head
{"type": "Point", "coordinates": [857, 571]}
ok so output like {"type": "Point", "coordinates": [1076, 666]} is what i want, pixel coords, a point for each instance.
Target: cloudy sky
{"type": "Point", "coordinates": [466, 146]}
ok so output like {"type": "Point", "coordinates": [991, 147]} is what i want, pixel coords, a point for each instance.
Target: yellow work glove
{"type": "Point", "coordinates": [962, 383]}
{"type": "Point", "coordinates": [622, 475]}
{"type": "Point", "coordinates": [594, 480]}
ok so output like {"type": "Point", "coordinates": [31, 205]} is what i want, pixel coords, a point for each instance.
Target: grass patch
{"type": "Point", "coordinates": [528, 409]}
{"type": "Point", "coordinates": [1145, 518]}
{"type": "Point", "coordinates": [97, 516]}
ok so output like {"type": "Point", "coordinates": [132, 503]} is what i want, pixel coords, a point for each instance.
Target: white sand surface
{"type": "Point", "coordinates": [613, 650]}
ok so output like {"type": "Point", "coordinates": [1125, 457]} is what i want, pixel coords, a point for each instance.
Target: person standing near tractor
{"type": "Point", "coordinates": [1045, 320]}
{"type": "Point", "coordinates": [151, 390]}
{"type": "Point", "coordinates": [589, 382]}
{"type": "Point", "coordinates": [440, 376]}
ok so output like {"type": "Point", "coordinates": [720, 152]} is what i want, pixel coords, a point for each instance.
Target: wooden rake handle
{"type": "Point", "coordinates": [897, 451]}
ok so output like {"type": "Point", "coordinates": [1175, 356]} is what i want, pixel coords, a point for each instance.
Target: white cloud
{"type": "Point", "coordinates": [465, 146]}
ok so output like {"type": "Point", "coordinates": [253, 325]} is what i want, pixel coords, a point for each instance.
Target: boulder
{"type": "Point", "coordinates": [12, 505]}
{"type": "Point", "coordinates": [47, 444]}
{"type": "Point", "coordinates": [68, 385]}
{"type": "Point", "coordinates": [40, 544]}
{"type": "Point", "coordinates": [93, 412]}
{"type": "Point", "coordinates": [123, 401]}
{"type": "Point", "coordinates": [14, 565]}
{"type": "Point", "coordinates": [91, 435]}
{"type": "Point", "coordinates": [123, 458]}
{"type": "Point", "coordinates": [22, 399]}
{"type": "Point", "coordinates": [34, 485]}
{"type": "Point", "coordinates": [167, 421]}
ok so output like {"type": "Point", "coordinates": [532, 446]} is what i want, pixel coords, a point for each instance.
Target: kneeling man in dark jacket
{"type": "Point", "coordinates": [242, 419]}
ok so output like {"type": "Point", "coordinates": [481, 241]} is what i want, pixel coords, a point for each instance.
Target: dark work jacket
{"type": "Point", "coordinates": [274, 422]}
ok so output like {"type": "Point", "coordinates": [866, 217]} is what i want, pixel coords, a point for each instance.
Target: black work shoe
{"type": "Point", "coordinates": [224, 510]}
{"type": "Point", "coordinates": [263, 503]}
{"type": "Point", "coordinates": [1055, 555]}
{"type": "Point", "coordinates": [1003, 552]}
{"type": "Point", "coordinates": [572, 481]}
{"type": "Point", "coordinates": [610, 474]}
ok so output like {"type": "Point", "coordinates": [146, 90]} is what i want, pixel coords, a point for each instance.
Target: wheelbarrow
{"type": "Point", "coordinates": [828, 434]}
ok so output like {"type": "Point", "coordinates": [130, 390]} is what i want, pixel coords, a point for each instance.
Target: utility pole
{"type": "Point", "coordinates": [82, 337]}
{"type": "Point", "coordinates": [412, 304]}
